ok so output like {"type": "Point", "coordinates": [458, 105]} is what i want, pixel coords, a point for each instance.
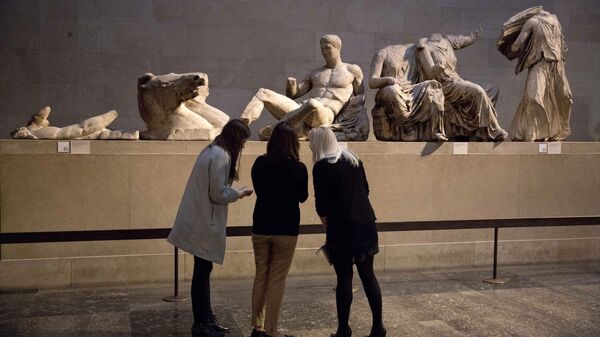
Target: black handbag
{"type": "Point", "coordinates": [327, 250]}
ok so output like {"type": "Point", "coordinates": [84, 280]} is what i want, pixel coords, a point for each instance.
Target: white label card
{"type": "Point", "coordinates": [543, 148]}
{"type": "Point", "coordinates": [80, 147]}
{"type": "Point", "coordinates": [63, 147]}
{"type": "Point", "coordinates": [554, 148]}
{"type": "Point", "coordinates": [460, 148]}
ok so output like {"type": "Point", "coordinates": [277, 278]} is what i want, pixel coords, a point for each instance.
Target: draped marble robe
{"type": "Point", "coordinates": [545, 109]}
{"type": "Point", "coordinates": [405, 110]}
{"type": "Point", "coordinates": [469, 109]}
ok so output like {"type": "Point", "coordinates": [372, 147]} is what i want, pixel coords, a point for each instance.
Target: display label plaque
{"type": "Point", "coordinates": [80, 147]}
{"type": "Point", "coordinates": [63, 147]}
{"type": "Point", "coordinates": [460, 148]}
{"type": "Point", "coordinates": [554, 148]}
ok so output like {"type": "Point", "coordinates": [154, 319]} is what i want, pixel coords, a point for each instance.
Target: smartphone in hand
{"type": "Point", "coordinates": [245, 191]}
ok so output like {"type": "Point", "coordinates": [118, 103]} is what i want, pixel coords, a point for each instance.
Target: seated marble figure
{"type": "Point", "coordinates": [469, 108]}
{"type": "Point", "coordinates": [333, 95]}
{"type": "Point", "coordinates": [174, 107]}
{"type": "Point", "coordinates": [405, 108]}
{"type": "Point", "coordinates": [95, 127]}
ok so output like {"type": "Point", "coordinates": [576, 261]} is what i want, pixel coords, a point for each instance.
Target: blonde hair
{"type": "Point", "coordinates": [324, 145]}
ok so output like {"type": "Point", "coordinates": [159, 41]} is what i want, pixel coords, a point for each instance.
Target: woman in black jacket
{"type": "Point", "coordinates": [281, 183]}
{"type": "Point", "coordinates": [342, 202]}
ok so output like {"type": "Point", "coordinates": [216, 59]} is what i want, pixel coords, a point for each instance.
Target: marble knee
{"type": "Point", "coordinates": [264, 94]}
{"type": "Point", "coordinates": [313, 104]}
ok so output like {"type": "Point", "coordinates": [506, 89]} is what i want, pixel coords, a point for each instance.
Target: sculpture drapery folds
{"type": "Point", "coordinates": [534, 37]}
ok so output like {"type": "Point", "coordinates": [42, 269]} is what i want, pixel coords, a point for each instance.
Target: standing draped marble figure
{"type": "Point", "coordinates": [545, 108]}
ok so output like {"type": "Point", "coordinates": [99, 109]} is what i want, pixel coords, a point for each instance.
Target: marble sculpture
{"type": "Point", "coordinates": [469, 108]}
{"type": "Point", "coordinates": [92, 128]}
{"type": "Point", "coordinates": [174, 107]}
{"type": "Point", "coordinates": [534, 37]}
{"type": "Point", "coordinates": [405, 108]}
{"type": "Point", "coordinates": [420, 95]}
{"type": "Point", "coordinates": [332, 95]}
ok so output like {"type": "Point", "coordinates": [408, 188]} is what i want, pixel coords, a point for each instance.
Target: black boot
{"type": "Point", "coordinates": [205, 330]}
{"type": "Point", "coordinates": [380, 333]}
{"type": "Point", "coordinates": [347, 333]}
{"type": "Point", "coordinates": [215, 324]}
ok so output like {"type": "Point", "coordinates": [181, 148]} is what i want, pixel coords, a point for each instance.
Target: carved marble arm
{"type": "Point", "coordinates": [357, 83]}
{"type": "Point", "coordinates": [294, 90]}
{"type": "Point", "coordinates": [523, 35]}
{"type": "Point", "coordinates": [377, 81]}
{"type": "Point", "coordinates": [425, 59]}
{"type": "Point", "coordinates": [462, 41]}
{"type": "Point", "coordinates": [358, 88]}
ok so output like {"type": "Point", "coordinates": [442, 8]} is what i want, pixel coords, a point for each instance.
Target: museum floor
{"type": "Point", "coordinates": [539, 300]}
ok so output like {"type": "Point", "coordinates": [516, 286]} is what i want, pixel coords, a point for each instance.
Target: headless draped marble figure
{"type": "Point", "coordinates": [545, 109]}
{"type": "Point", "coordinates": [469, 109]}
{"type": "Point", "coordinates": [91, 128]}
{"type": "Point", "coordinates": [405, 108]}
{"type": "Point", "coordinates": [327, 90]}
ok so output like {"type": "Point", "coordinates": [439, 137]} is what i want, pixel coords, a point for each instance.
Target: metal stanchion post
{"type": "Point", "coordinates": [176, 297]}
{"type": "Point", "coordinates": [494, 279]}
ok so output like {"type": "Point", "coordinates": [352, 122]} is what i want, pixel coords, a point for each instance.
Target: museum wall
{"type": "Point", "coordinates": [83, 57]}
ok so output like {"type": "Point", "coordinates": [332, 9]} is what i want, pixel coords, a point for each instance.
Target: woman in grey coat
{"type": "Point", "coordinates": [199, 227]}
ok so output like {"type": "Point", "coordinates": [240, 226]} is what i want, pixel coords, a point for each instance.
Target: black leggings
{"type": "Point", "coordinates": [201, 290]}
{"type": "Point", "coordinates": [343, 293]}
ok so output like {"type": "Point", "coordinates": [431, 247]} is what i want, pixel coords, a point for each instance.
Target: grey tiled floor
{"type": "Point", "coordinates": [539, 300]}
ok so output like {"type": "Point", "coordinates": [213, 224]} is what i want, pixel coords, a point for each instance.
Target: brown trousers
{"type": "Point", "coordinates": [273, 256]}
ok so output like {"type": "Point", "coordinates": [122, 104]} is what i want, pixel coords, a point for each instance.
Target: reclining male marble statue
{"type": "Point", "coordinates": [333, 96]}
{"type": "Point", "coordinates": [174, 107]}
{"type": "Point", "coordinates": [535, 38]}
{"type": "Point", "coordinates": [469, 109]}
{"type": "Point", "coordinates": [39, 127]}
{"type": "Point", "coordinates": [405, 108]}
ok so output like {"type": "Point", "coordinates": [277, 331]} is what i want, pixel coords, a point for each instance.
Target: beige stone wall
{"type": "Point", "coordinates": [83, 57]}
{"type": "Point", "coordinates": [123, 184]}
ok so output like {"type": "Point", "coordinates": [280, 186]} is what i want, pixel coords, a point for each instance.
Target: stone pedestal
{"type": "Point", "coordinates": [138, 184]}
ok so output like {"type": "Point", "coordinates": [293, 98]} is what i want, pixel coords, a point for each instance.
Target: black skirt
{"type": "Point", "coordinates": [354, 244]}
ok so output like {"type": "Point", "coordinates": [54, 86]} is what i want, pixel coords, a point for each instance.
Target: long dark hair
{"type": "Point", "coordinates": [231, 139]}
{"type": "Point", "coordinates": [283, 144]}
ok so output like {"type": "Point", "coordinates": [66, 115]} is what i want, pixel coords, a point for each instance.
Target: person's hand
{"type": "Point", "coordinates": [244, 191]}
{"type": "Point", "coordinates": [476, 34]}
